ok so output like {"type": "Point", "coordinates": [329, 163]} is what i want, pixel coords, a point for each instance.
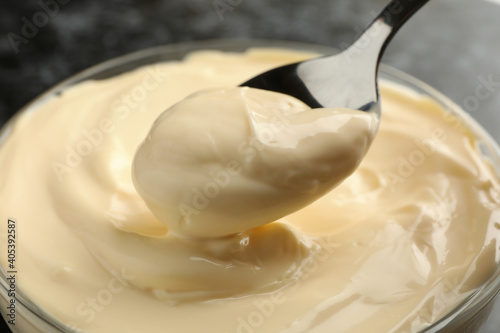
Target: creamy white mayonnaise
{"type": "Point", "coordinates": [228, 160]}
{"type": "Point", "coordinates": [393, 248]}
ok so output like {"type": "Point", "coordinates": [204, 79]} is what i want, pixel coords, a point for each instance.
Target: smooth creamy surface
{"type": "Point", "coordinates": [394, 247]}
{"type": "Point", "coordinates": [227, 160]}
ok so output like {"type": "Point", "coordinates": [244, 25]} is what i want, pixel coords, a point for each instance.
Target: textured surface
{"type": "Point", "coordinates": [451, 44]}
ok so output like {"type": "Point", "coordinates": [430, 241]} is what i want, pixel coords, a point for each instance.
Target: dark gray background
{"type": "Point", "coordinates": [450, 44]}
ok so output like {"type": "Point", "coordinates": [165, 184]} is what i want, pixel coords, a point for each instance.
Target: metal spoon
{"type": "Point", "coordinates": [347, 79]}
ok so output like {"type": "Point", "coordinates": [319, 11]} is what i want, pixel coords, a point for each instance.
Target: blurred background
{"type": "Point", "coordinates": [453, 45]}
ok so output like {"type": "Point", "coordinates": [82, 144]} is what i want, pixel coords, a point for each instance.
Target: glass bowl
{"type": "Point", "coordinates": [468, 316]}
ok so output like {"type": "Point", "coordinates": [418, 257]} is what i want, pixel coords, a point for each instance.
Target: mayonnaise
{"type": "Point", "coordinates": [228, 160]}
{"type": "Point", "coordinates": [393, 248]}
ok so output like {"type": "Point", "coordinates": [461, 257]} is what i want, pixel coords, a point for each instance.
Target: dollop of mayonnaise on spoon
{"type": "Point", "coordinates": [224, 161]}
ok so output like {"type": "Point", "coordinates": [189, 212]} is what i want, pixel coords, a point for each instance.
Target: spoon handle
{"type": "Point", "coordinates": [394, 15]}
{"type": "Point", "coordinates": [347, 79]}
{"type": "Point", "coordinates": [397, 12]}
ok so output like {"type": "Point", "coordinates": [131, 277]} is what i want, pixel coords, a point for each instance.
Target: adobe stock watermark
{"type": "Point", "coordinates": [264, 309]}
{"type": "Point", "coordinates": [220, 178]}
{"type": "Point", "coordinates": [31, 26]}
{"type": "Point", "coordinates": [363, 40]}
{"type": "Point", "coordinates": [409, 163]}
{"type": "Point", "coordinates": [223, 6]}
{"type": "Point", "coordinates": [96, 304]}
{"type": "Point", "coordinates": [484, 90]}
{"type": "Point", "coordinates": [90, 139]}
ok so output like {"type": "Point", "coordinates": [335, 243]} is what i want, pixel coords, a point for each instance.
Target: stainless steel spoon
{"type": "Point", "coordinates": [347, 79]}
